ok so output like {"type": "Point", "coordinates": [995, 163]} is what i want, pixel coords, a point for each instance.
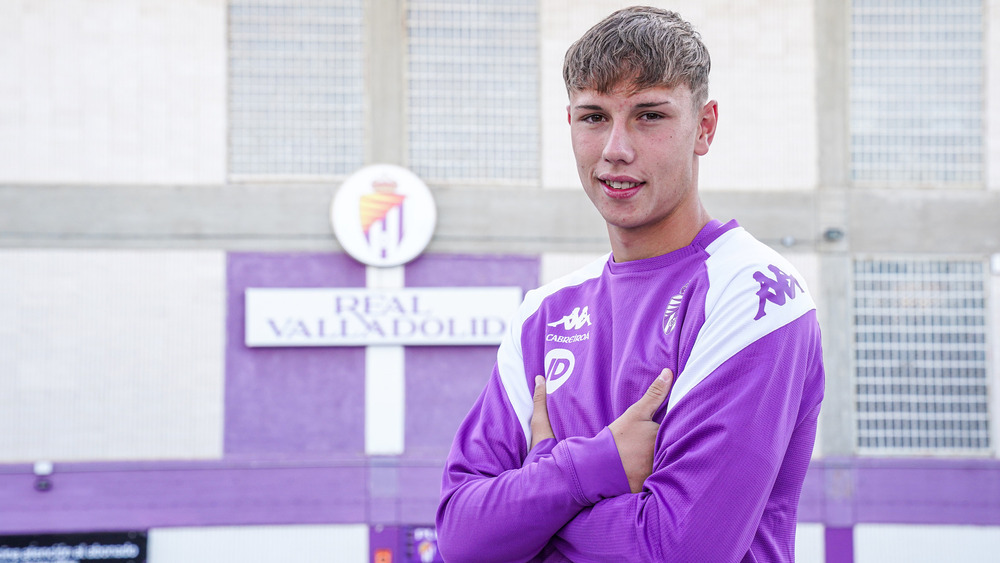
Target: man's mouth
{"type": "Point", "coordinates": [615, 185]}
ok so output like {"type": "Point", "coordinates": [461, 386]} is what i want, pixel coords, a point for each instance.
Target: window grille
{"type": "Point", "coordinates": [920, 334]}
{"type": "Point", "coordinates": [296, 93]}
{"type": "Point", "coordinates": [916, 93]}
{"type": "Point", "coordinates": [473, 90]}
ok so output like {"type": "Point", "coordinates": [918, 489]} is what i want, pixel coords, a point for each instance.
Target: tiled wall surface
{"type": "Point", "coordinates": [113, 91]}
{"type": "Point", "coordinates": [111, 355]}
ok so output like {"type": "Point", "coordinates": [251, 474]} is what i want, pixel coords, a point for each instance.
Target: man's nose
{"type": "Point", "coordinates": [618, 147]}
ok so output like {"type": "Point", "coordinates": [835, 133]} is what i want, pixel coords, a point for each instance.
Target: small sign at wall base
{"type": "Point", "coordinates": [118, 547]}
{"type": "Point", "coordinates": [452, 316]}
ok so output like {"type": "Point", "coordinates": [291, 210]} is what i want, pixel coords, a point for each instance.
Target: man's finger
{"type": "Point", "coordinates": [540, 426]}
{"type": "Point", "coordinates": [654, 395]}
{"type": "Point", "coordinates": [539, 396]}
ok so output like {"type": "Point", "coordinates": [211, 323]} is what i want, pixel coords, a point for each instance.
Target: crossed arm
{"type": "Point", "coordinates": [634, 431]}
{"type": "Point", "coordinates": [717, 458]}
{"type": "Point", "coordinates": [515, 513]}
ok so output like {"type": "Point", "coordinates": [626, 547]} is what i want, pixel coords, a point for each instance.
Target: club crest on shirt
{"type": "Point", "coordinates": [670, 314]}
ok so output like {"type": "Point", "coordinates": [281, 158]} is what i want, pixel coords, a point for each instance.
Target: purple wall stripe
{"type": "Point", "coordinates": [98, 497]}
{"type": "Point", "coordinates": [839, 545]}
{"type": "Point", "coordinates": [448, 270]}
{"type": "Point", "coordinates": [843, 492]}
{"type": "Point", "coordinates": [442, 383]}
{"type": "Point", "coordinates": [114, 496]}
{"type": "Point", "coordinates": [288, 402]}
{"type": "Point", "coordinates": [928, 491]}
{"type": "Point", "coordinates": [388, 538]}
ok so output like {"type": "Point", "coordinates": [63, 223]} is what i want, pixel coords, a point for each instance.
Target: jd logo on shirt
{"type": "Point", "coordinates": [559, 364]}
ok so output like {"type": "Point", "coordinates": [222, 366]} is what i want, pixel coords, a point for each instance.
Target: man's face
{"type": "Point", "coordinates": [636, 153]}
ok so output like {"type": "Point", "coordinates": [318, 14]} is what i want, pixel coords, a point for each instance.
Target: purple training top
{"type": "Point", "coordinates": [736, 324]}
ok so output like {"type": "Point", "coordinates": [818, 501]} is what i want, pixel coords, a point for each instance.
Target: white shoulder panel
{"type": "Point", "coordinates": [510, 358]}
{"type": "Point", "coordinates": [753, 291]}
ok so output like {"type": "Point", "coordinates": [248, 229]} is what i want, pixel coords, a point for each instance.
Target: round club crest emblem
{"type": "Point", "coordinates": [383, 215]}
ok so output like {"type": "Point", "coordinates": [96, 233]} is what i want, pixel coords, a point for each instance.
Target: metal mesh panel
{"type": "Point", "coordinates": [920, 356]}
{"type": "Point", "coordinates": [295, 87]}
{"type": "Point", "coordinates": [473, 90]}
{"type": "Point", "coordinates": [916, 91]}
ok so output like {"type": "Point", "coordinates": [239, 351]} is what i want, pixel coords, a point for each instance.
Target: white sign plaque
{"type": "Point", "coordinates": [364, 317]}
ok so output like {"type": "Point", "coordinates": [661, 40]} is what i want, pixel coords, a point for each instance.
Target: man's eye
{"type": "Point", "coordinates": [593, 118]}
{"type": "Point", "coordinates": [650, 116]}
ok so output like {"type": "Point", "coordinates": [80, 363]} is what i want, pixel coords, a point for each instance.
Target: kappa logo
{"type": "Point", "coordinates": [559, 364]}
{"type": "Point", "coordinates": [670, 314]}
{"type": "Point", "coordinates": [575, 320]}
{"type": "Point", "coordinates": [774, 290]}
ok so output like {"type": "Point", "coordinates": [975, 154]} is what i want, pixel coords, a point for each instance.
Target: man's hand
{"type": "Point", "coordinates": [635, 431]}
{"type": "Point", "coordinates": [540, 427]}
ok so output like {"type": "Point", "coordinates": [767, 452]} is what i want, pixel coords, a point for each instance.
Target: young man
{"type": "Point", "coordinates": [572, 453]}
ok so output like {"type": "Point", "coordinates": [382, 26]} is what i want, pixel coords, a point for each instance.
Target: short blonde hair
{"type": "Point", "coordinates": [638, 48]}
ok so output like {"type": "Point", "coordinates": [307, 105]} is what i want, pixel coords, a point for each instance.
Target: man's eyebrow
{"type": "Point", "coordinates": [646, 105]}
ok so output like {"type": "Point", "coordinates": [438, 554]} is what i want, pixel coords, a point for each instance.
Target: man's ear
{"type": "Point", "coordinates": [709, 120]}
{"type": "Point", "coordinates": [569, 118]}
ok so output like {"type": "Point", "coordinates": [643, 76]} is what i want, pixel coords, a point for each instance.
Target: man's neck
{"type": "Point", "coordinates": [674, 232]}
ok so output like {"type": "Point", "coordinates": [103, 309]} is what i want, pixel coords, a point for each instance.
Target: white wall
{"type": "Point", "coordinates": [113, 91]}
{"type": "Point", "coordinates": [111, 355]}
{"type": "Point", "coordinates": [763, 75]}
{"type": "Point", "coordinates": [557, 264]}
{"type": "Point", "coordinates": [323, 543]}
{"type": "Point", "coordinates": [993, 329]}
{"type": "Point", "coordinates": [991, 10]}
{"type": "Point", "coordinates": [810, 543]}
{"type": "Point", "coordinates": [260, 544]}
{"type": "Point", "coordinates": [879, 543]}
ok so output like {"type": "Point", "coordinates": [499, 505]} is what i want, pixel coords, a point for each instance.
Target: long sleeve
{"type": "Point", "coordinates": [738, 443]}
{"type": "Point", "coordinates": [731, 319]}
{"type": "Point", "coordinates": [490, 499]}
{"type": "Point", "coordinates": [500, 502]}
